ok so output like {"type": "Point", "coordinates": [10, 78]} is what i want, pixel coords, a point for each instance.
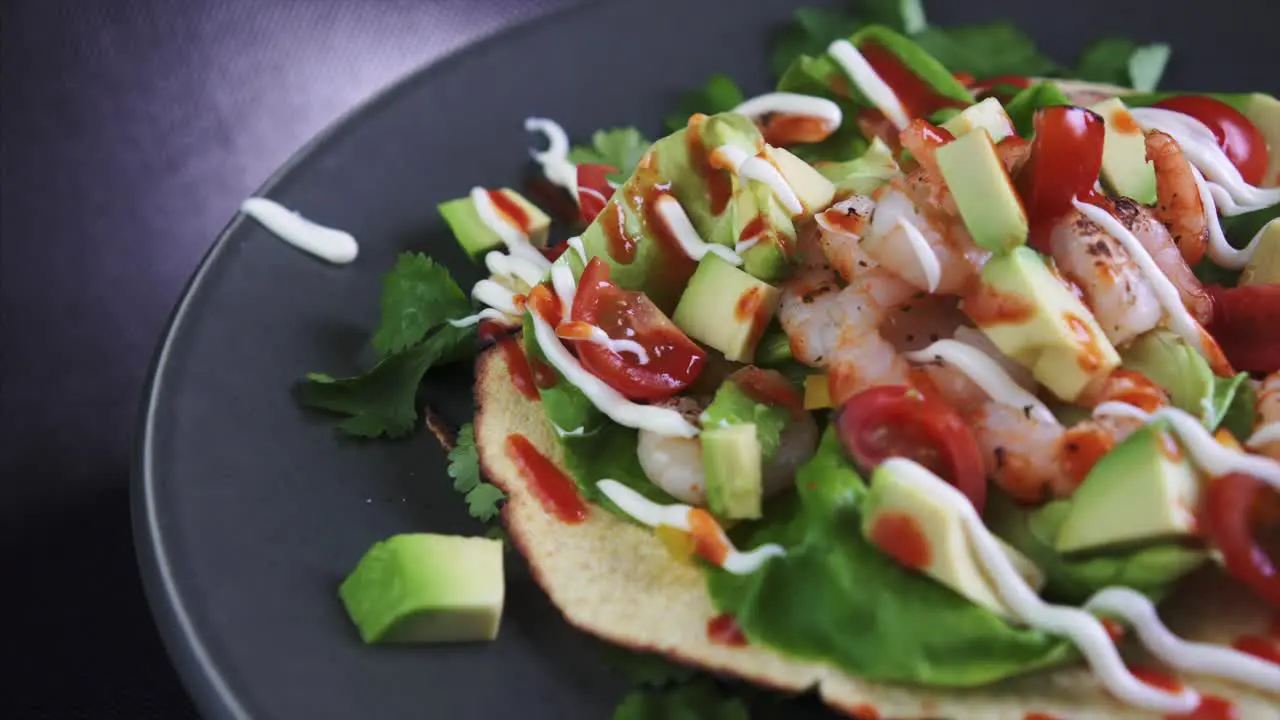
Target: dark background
{"type": "Point", "coordinates": [131, 130]}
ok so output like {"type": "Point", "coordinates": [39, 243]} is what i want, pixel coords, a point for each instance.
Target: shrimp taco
{"type": "Point", "coordinates": [936, 397]}
{"type": "Point", "coordinates": [950, 427]}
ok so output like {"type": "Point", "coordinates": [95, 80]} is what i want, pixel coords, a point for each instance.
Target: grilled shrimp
{"type": "Point", "coordinates": [1121, 298]}
{"type": "Point", "coordinates": [1171, 260]}
{"type": "Point", "coordinates": [674, 464]}
{"type": "Point", "coordinates": [1178, 202]}
{"type": "Point", "coordinates": [1035, 460]}
{"type": "Point", "coordinates": [1268, 414]}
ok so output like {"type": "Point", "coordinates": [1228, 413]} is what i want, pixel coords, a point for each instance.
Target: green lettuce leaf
{"type": "Point", "coordinates": [620, 148]}
{"type": "Point", "coordinates": [417, 295]}
{"type": "Point", "coordinates": [1023, 106]}
{"type": "Point", "coordinates": [909, 627]}
{"type": "Point", "coordinates": [1123, 62]}
{"type": "Point", "coordinates": [719, 94]}
{"type": "Point", "coordinates": [383, 400]}
{"type": "Point", "coordinates": [700, 700]}
{"type": "Point", "coordinates": [986, 50]}
{"type": "Point", "coordinates": [1232, 405]}
{"type": "Point", "coordinates": [1151, 570]}
{"type": "Point", "coordinates": [816, 27]}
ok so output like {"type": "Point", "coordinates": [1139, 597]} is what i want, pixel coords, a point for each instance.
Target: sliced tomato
{"type": "Point", "coordinates": [1228, 502]}
{"type": "Point", "coordinates": [1066, 156]}
{"type": "Point", "coordinates": [896, 421]}
{"type": "Point", "coordinates": [1239, 138]}
{"type": "Point", "coordinates": [594, 190]}
{"type": "Point", "coordinates": [674, 361]}
{"type": "Point", "coordinates": [1244, 324]}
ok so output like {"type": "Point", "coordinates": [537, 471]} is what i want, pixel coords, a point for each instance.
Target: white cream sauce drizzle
{"type": "Point", "coordinates": [986, 373]}
{"type": "Point", "coordinates": [1220, 251]}
{"type": "Point", "coordinates": [1215, 458]}
{"type": "Point", "coordinates": [895, 210]}
{"type": "Point", "coordinates": [975, 338]}
{"type": "Point", "coordinates": [1190, 657]}
{"type": "Point", "coordinates": [869, 82]}
{"type": "Point", "coordinates": [497, 296]}
{"type": "Point", "coordinates": [1264, 435]}
{"type": "Point", "coordinates": [651, 514]}
{"type": "Point", "coordinates": [745, 245]}
{"type": "Point", "coordinates": [660, 420]}
{"type": "Point", "coordinates": [785, 103]}
{"type": "Point", "coordinates": [509, 266]}
{"type": "Point", "coordinates": [1180, 321]}
{"type": "Point", "coordinates": [486, 314]}
{"type": "Point", "coordinates": [673, 214]}
{"type": "Point", "coordinates": [754, 167]}
{"type": "Point", "coordinates": [555, 159]}
{"type": "Point", "coordinates": [1082, 628]}
{"type": "Point", "coordinates": [601, 338]}
{"type": "Point", "coordinates": [1201, 148]}
{"type": "Point", "coordinates": [575, 244]}
{"type": "Point", "coordinates": [561, 432]}
{"type": "Point", "coordinates": [326, 243]}
{"type": "Point", "coordinates": [566, 288]}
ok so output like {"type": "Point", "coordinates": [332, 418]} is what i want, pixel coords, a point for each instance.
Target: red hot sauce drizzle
{"type": "Point", "coordinates": [511, 209]}
{"type": "Point", "coordinates": [900, 537]}
{"type": "Point", "coordinates": [918, 98]}
{"type": "Point", "coordinates": [1211, 707]}
{"type": "Point", "coordinates": [517, 363]}
{"type": "Point", "coordinates": [622, 246]}
{"type": "Point", "coordinates": [723, 629]}
{"type": "Point", "coordinates": [555, 490]}
{"type": "Point", "coordinates": [716, 179]}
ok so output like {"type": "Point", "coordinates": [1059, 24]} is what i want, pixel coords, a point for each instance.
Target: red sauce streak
{"type": "Point", "coordinates": [518, 365]}
{"type": "Point", "coordinates": [544, 376]}
{"type": "Point", "coordinates": [988, 307]}
{"type": "Point", "coordinates": [1156, 678]}
{"type": "Point", "coordinates": [716, 180]}
{"type": "Point", "coordinates": [677, 267]}
{"type": "Point", "coordinates": [1115, 630]}
{"type": "Point", "coordinates": [1040, 716]}
{"type": "Point", "coordinates": [1135, 389]}
{"type": "Point", "coordinates": [511, 209]}
{"type": "Point", "coordinates": [900, 537]}
{"type": "Point", "coordinates": [916, 95]}
{"type": "Point", "coordinates": [723, 629]}
{"type": "Point", "coordinates": [555, 490]}
{"type": "Point", "coordinates": [753, 229]}
{"type": "Point", "coordinates": [863, 712]}
{"type": "Point", "coordinates": [1267, 648]}
{"type": "Point", "coordinates": [709, 542]}
{"type": "Point", "coordinates": [749, 304]}
{"type": "Point", "coordinates": [622, 247]}
{"type": "Point", "coordinates": [849, 222]}
{"type": "Point", "coordinates": [783, 130]}
{"type": "Point", "coordinates": [490, 331]}
{"type": "Point", "coordinates": [1123, 122]}
{"type": "Point", "coordinates": [1211, 707]}
{"type": "Point", "coordinates": [767, 388]}
{"type": "Point", "coordinates": [1081, 449]}
{"type": "Point", "coordinates": [1089, 356]}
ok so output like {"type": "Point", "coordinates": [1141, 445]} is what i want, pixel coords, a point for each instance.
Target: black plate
{"type": "Point", "coordinates": [249, 511]}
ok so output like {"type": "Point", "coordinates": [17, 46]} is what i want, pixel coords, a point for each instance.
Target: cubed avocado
{"type": "Point", "coordinates": [905, 518]}
{"type": "Point", "coordinates": [476, 238]}
{"type": "Point", "coordinates": [1264, 112]}
{"type": "Point", "coordinates": [988, 115]}
{"type": "Point", "coordinates": [427, 588]}
{"type": "Point", "coordinates": [863, 174]}
{"type": "Point", "coordinates": [1168, 361]}
{"type": "Point", "coordinates": [1125, 168]}
{"type": "Point", "coordinates": [726, 308]}
{"type": "Point", "coordinates": [732, 463]}
{"type": "Point", "coordinates": [815, 191]}
{"type": "Point", "coordinates": [1264, 266]}
{"type": "Point", "coordinates": [1031, 315]}
{"type": "Point", "coordinates": [1143, 489]}
{"type": "Point", "coordinates": [980, 185]}
{"type": "Point", "coordinates": [764, 231]}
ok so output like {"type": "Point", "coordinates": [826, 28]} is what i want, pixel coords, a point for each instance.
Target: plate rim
{"type": "Point", "coordinates": [204, 682]}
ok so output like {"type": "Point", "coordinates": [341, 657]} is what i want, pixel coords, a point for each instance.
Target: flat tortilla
{"type": "Point", "coordinates": [615, 580]}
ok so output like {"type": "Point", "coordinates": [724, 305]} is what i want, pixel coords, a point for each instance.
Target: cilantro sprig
{"type": "Point", "coordinates": [719, 94]}
{"type": "Point", "coordinates": [464, 467]}
{"type": "Point", "coordinates": [620, 148]}
{"type": "Point", "coordinates": [1124, 62]}
{"type": "Point", "coordinates": [699, 700]}
{"type": "Point", "coordinates": [418, 296]}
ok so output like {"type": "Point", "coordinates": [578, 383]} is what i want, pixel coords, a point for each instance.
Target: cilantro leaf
{"type": "Point", "coordinates": [646, 668]}
{"type": "Point", "coordinates": [1123, 62]}
{"type": "Point", "coordinates": [985, 50]}
{"type": "Point", "coordinates": [720, 94]}
{"type": "Point", "coordinates": [694, 701]}
{"type": "Point", "coordinates": [383, 400]}
{"type": "Point", "coordinates": [620, 148]}
{"type": "Point", "coordinates": [464, 467]}
{"type": "Point", "coordinates": [814, 29]}
{"type": "Point", "coordinates": [417, 295]}
{"type": "Point", "coordinates": [905, 16]}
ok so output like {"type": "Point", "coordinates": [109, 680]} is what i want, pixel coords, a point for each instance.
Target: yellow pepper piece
{"type": "Point", "coordinates": [679, 543]}
{"type": "Point", "coordinates": [1226, 439]}
{"type": "Point", "coordinates": [817, 394]}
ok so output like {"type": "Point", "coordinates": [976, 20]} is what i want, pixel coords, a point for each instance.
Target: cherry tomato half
{"type": "Point", "coordinates": [594, 190]}
{"type": "Point", "coordinates": [1244, 324]}
{"type": "Point", "coordinates": [1239, 138]}
{"type": "Point", "coordinates": [1227, 505]}
{"type": "Point", "coordinates": [1066, 156]}
{"type": "Point", "coordinates": [896, 421]}
{"type": "Point", "coordinates": [674, 361]}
